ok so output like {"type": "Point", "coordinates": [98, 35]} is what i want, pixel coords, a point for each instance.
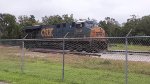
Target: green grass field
{"type": "Point", "coordinates": [45, 68]}
{"type": "Point", "coordinates": [130, 47]}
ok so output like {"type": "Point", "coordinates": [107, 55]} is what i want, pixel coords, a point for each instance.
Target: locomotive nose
{"type": "Point", "coordinates": [97, 32]}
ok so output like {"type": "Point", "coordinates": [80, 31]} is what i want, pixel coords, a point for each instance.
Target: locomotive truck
{"type": "Point", "coordinates": [81, 36]}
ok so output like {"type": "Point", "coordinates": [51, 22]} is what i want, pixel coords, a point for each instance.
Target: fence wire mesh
{"type": "Point", "coordinates": [86, 60]}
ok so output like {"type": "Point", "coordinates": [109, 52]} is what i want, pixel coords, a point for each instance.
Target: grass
{"type": "Point", "coordinates": [130, 47]}
{"type": "Point", "coordinates": [78, 69]}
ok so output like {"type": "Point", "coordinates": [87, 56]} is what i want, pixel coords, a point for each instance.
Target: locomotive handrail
{"type": "Point", "coordinates": [85, 38]}
{"type": "Point", "coordinates": [25, 36]}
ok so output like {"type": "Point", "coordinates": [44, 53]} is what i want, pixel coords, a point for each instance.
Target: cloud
{"type": "Point", "coordinates": [97, 9]}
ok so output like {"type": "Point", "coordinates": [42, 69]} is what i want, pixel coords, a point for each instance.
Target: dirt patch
{"type": "Point", "coordinates": [8, 46]}
{"type": "Point", "coordinates": [3, 83]}
{"type": "Point", "coordinates": [71, 58]}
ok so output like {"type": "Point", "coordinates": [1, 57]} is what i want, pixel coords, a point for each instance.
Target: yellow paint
{"type": "Point", "coordinates": [47, 32]}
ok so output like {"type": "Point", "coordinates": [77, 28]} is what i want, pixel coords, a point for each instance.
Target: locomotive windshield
{"type": "Point", "coordinates": [87, 23]}
{"type": "Point", "coordinates": [78, 25]}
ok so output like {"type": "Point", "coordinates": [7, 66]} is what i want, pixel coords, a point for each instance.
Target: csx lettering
{"type": "Point", "coordinates": [47, 32]}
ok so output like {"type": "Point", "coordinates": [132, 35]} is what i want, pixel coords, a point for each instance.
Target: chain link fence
{"type": "Point", "coordinates": [111, 60]}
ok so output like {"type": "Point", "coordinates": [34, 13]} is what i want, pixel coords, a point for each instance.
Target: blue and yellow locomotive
{"type": "Point", "coordinates": [82, 36]}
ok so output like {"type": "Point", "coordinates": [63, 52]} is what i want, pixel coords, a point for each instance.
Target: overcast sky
{"type": "Point", "coordinates": [97, 9]}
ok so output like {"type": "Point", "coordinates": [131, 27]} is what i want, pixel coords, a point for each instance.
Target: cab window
{"type": "Point", "coordinates": [73, 24]}
{"type": "Point", "coordinates": [78, 25]}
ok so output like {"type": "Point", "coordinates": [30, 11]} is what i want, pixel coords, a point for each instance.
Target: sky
{"type": "Point", "coordinates": [81, 9]}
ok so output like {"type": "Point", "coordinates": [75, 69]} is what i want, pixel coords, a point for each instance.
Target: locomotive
{"type": "Point", "coordinates": [81, 36]}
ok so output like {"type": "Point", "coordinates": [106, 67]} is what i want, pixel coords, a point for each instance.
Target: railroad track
{"type": "Point", "coordinates": [61, 51]}
{"type": "Point", "coordinates": [86, 53]}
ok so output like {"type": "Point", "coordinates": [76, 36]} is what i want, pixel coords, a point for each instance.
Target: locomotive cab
{"type": "Point", "coordinates": [97, 36]}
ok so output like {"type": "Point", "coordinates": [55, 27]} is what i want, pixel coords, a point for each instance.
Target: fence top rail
{"type": "Point", "coordinates": [85, 38]}
{"type": "Point", "coordinates": [138, 37]}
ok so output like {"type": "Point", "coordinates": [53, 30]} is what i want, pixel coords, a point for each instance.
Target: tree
{"type": "Point", "coordinates": [131, 23]}
{"type": "Point", "coordinates": [67, 19]}
{"type": "Point", "coordinates": [139, 26]}
{"type": "Point", "coordinates": [143, 27]}
{"type": "Point", "coordinates": [8, 26]}
{"type": "Point", "coordinates": [111, 26]}
{"type": "Point", "coordinates": [27, 21]}
{"type": "Point", "coordinates": [51, 20]}
{"type": "Point", "coordinates": [57, 19]}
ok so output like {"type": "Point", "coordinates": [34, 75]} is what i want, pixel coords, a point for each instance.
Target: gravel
{"type": "Point", "coordinates": [131, 56]}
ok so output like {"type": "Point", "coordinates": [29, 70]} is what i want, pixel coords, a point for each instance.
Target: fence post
{"type": "Point", "coordinates": [126, 57]}
{"type": "Point", "coordinates": [22, 57]}
{"type": "Point", "coordinates": [23, 54]}
{"type": "Point", "coordinates": [126, 61]}
{"type": "Point", "coordinates": [63, 58]}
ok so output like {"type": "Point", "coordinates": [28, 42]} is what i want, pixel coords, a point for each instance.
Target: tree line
{"type": "Point", "coordinates": [139, 26]}
{"type": "Point", "coordinates": [11, 26]}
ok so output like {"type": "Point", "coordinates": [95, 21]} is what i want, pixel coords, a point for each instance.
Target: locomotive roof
{"type": "Point", "coordinates": [42, 26]}
{"type": "Point", "coordinates": [36, 27]}
{"type": "Point", "coordinates": [32, 27]}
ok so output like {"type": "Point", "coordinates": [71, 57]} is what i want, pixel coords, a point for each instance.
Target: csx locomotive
{"type": "Point", "coordinates": [80, 36]}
